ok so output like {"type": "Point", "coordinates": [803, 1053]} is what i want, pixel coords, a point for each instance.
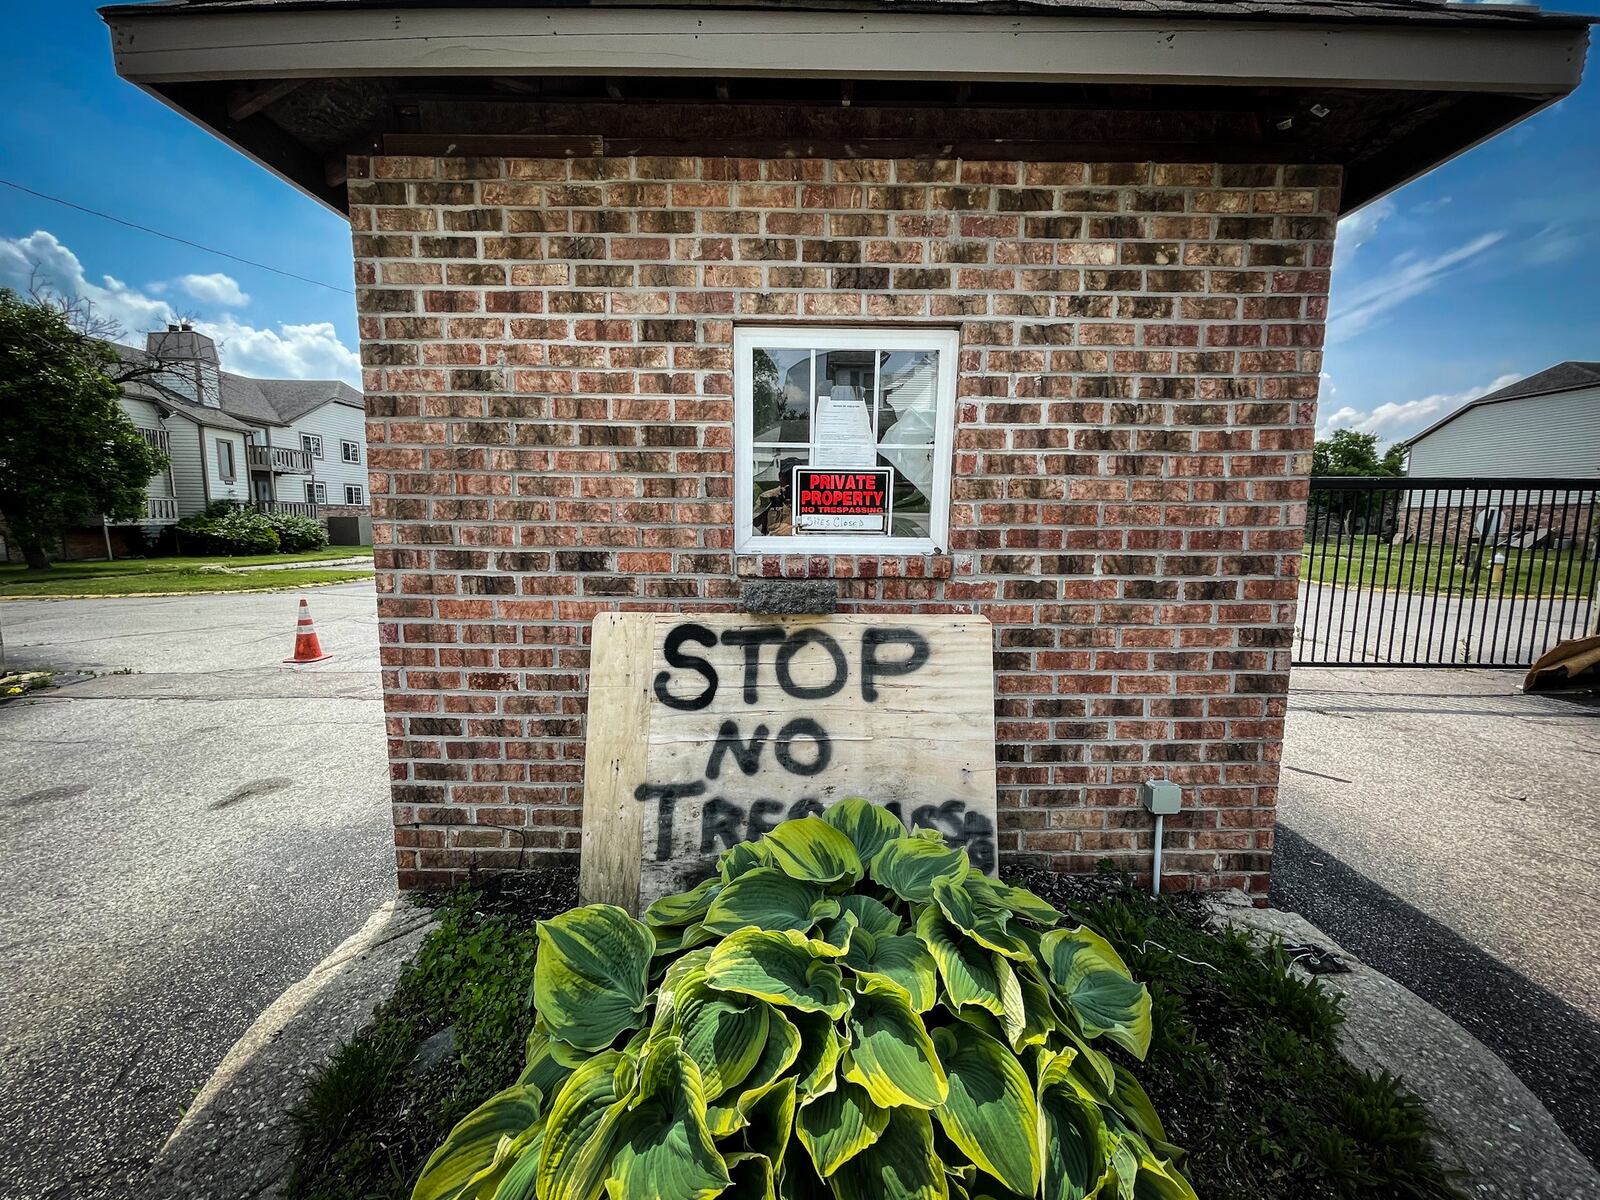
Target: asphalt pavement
{"type": "Point", "coordinates": [1441, 825]}
{"type": "Point", "coordinates": [181, 844]}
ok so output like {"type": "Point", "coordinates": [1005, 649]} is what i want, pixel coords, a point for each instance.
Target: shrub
{"type": "Point", "coordinates": [296, 534]}
{"type": "Point", "coordinates": [842, 1011]}
{"type": "Point", "coordinates": [237, 531]}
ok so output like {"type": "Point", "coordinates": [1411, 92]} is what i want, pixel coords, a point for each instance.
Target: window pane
{"type": "Point", "coordinates": [772, 506]}
{"type": "Point", "coordinates": [846, 374]}
{"type": "Point", "coordinates": [910, 383]}
{"type": "Point", "coordinates": [780, 384]}
{"type": "Point", "coordinates": [913, 489]}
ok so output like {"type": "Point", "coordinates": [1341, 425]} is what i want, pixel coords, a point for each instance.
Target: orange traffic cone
{"type": "Point", "coordinates": [307, 646]}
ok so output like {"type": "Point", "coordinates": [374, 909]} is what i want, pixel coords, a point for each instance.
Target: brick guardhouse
{"type": "Point", "coordinates": [1073, 256]}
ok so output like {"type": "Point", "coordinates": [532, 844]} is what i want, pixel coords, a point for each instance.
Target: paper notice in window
{"type": "Point", "coordinates": [841, 432]}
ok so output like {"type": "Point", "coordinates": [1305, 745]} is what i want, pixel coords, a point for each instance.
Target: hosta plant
{"type": "Point", "coordinates": [844, 1011]}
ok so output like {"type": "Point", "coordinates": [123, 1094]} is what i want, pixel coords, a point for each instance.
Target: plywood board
{"type": "Point", "coordinates": [706, 730]}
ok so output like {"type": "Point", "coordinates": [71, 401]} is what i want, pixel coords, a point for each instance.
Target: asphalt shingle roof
{"type": "Point", "coordinates": [1563, 377]}
{"type": "Point", "coordinates": [258, 401]}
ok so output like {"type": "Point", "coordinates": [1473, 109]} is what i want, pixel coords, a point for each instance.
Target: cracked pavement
{"type": "Point", "coordinates": [181, 845]}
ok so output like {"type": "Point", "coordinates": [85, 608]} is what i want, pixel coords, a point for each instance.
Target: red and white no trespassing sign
{"type": "Point", "coordinates": [851, 501]}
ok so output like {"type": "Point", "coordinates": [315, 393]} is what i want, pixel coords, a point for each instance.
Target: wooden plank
{"type": "Point", "coordinates": [619, 703]}
{"type": "Point", "coordinates": [738, 722]}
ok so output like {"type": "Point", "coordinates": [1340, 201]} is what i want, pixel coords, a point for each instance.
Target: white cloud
{"type": "Point", "coordinates": [1357, 229]}
{"type": "Point", "coordinates": [311, 351]}
{"type": "Point", "coordinates": [1407, 277]}
{"type": "Point", "coordinates": [1394, 421]}
{"type": "Point", "coordinates": [307, 351]}
{"type": "Point", "coordinates": [215, 289]}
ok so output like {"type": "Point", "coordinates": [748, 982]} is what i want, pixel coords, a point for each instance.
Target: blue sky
{"type": "Point", "coordinates": [1484, 271]}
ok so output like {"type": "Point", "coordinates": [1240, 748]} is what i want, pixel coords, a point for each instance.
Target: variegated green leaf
{"type": "Point", "coordinates": [810, 848]}
{"type": "Point", "coordinates": [766, 898]}
{"type": "Point", "coordinates": [472, 1146]}
{"type": "Point", "coordinates": [1019, 901]}
{"type": "Point", "coordinates": [683, 908]}
{"type": "Point", "coordinates": [590, 978]}
{"type": "Point", "coordinates": [872, 915]}
{"type": "Point", "coordinates": [779, 1053]}
{"type": "Point", "coordinates": [1129, 1099]}
{"type": "Point", "coordinates": [1076, 1145]}
{"type": "Point", "coordinates": [900, 958]}
{"type": "Point", "coordinates": [968, 969]}
{"type": "Point", "coordinates": [725, 1033]}
{"type": "Point", "coordinates": [769, 1118]}
{"type": "Point", "coordinates": [541, 1068]}
{"type": "Point", "coordinates": [868, 826]}
{"type": "Point", "coordinates": [778, 967]}
{"type": "Point", "coordinates": [577, 1132]}
{"type": "Point", "coordinates": [746, 856]}
{"type": "Point", "coordinates": [820, 1048]}
{"type": "Point", "coordinates": [1159, 1179]}
{"type": "Point", "coordinates": [987, 926]}
{"type": "Point", "coordinates": [753, 1176]}
{"type": "Point", "coordinates": [838, 1125]}
{"type": "Point", "coordinates": [1098, 988]}
{"type": "Point", "coordinates": [908, 866]}
{"type": "Point", "coordinates": [991, 1113]}
{"type": "Point", "coordinates": [520, 1180]}
{"type": "Point", "coordinates": [889, 1052]}
{"type": "Point", "coordinates": [900, 1165]}
{"type": "Point", "coordinates": [662, 1148]}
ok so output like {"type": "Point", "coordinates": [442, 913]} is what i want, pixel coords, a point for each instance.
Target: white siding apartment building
{"type": "Point", "coordinates": [289, 445]}
{"type": "Point", "coordinates": [1544, 427]}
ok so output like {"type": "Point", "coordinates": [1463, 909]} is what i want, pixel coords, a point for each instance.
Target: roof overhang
{"type": "Point", "coordinates": [273, 79]}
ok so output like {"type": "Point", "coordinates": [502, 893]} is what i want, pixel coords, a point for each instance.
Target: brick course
{"type": "Point", "coordinates": [548, 360]}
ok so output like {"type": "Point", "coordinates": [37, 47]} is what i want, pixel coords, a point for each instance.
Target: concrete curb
{"type": "Point", "coordinates": [1492, 1128]}
{"type": "Point", "coordinates": [254, 591]}
{"type": "Point", "coordinates": [235, 1140]}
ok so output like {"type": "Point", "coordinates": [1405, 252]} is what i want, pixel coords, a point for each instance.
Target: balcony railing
{"type": "Point", "coordinates": [158, 510]}
{"type": "Point", "coordinates": [278, 459]}
{"type": "Point", "coordinates": [290, 508]}
{"type": "Point", "coordinates": [159, 438]}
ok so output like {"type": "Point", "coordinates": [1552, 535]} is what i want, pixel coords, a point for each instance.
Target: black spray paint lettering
{"type": "Point", "coordinates": [875, 665]}
{"type": "Point", "coordinates": [747, 754]}
{"type": "Point", "coordinates": [723, 821]}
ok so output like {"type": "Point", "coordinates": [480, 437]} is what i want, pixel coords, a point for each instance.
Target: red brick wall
{"type": "Point", "coordinates": [548, 376]}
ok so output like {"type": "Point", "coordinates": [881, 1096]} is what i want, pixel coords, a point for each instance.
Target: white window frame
{"type": "Point", "coordinates": [316, 492]}
{"type": "Point", "coordinates": [350, 451]}
{"type": "Point", "coordinates": [354, 489]}
{"type": "Point", "coordinates": [747, 339]}
{"type": "Point", "coordinates": [311, 443]}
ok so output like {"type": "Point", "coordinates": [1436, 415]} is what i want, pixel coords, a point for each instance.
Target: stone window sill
{"type": "Point", "coordinates": [848, 566]}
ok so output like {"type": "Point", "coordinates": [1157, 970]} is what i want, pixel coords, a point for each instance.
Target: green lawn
{"type": "Point", "coordinates": [1369, 561]}
{"type": "Point", "coordinates": [128, 576]}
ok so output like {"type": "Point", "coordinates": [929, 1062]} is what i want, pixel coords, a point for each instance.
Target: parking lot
{"type": "Point", "coordinates": [181, 844]}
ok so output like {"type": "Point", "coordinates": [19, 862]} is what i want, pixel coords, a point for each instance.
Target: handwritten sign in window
{"type": "Point", "coordinates": [707, 730]}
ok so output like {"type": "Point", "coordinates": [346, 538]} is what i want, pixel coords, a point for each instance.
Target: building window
{"type": "Point", "coordinates": [352, 494]}
{"type": "Point", "coordinates": [880, 402]}
{"type": "Point", "coordinates": [225, 460]}
{"type": "Point", "coordinates": [350, 451]}
{"type": "Point", "coordinates": [311, 443]}
{"type": "Point", "coordinates": [316, 493]}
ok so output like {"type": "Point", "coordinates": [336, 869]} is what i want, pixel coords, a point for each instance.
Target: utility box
{"type": "Point", "coordinates": [350, 531]}
{"type": "Point", "coordinates": [1160, 797]}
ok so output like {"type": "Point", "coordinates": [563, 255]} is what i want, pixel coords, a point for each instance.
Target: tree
{"type": "Point", "coordinates": [68, 452]}
{"type": "Point", "coordinates": [1347, 452]}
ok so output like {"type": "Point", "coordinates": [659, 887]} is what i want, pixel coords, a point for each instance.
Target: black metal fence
{"type": "Point", "coordinates": [1449, 572]}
